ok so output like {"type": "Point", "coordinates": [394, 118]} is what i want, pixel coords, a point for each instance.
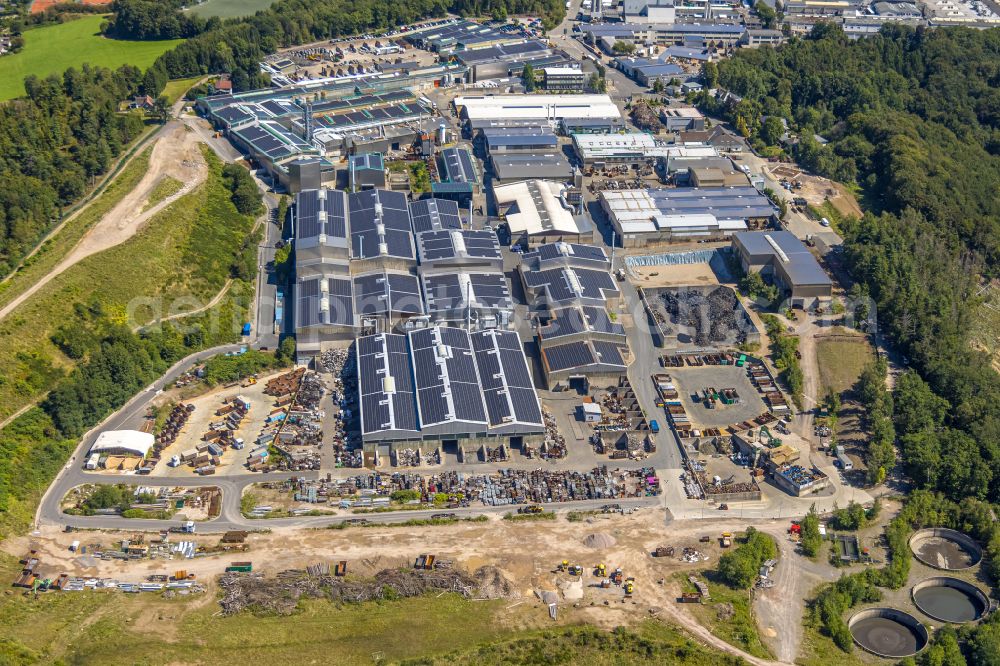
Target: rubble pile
{"type": "Point", "coordinates": [280, 595]}
{"type": "Point", "coordinates": [712, 316]}
{"type": "Point", "coordinates": [554, 445]}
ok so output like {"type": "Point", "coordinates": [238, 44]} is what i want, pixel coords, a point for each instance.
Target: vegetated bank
{"type": "Point", "coordinates": [73, 337]}
{"type": "Point", "coordinates": [910, 119]}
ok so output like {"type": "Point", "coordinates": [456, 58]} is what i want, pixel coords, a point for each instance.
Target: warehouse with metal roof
{"type": "Point", "coordinates": [477, 299]}
{"type": "Point", "coordinates": [434, 215]}
{"type": "Point", "coordinates": [547, 109]}
{"type": "Point", "coordinates": [591, 362]}
{"type": "Point", "coordinates": [123, 442]}
{"type": "Point", "coordinates": [536, 212]}
{"type": "Point", "coordinates": [651, 216]}
{"type": "Point", "coordinates": [515, 167]}
{"type": "Point", "coordinates": [519, 139]}
{"type": "Point", "coordinates": [380, 227]}
{"type": "Point", "coordinates": [438, 384]}
{"type": "Point", "coordinates": [785, 261]}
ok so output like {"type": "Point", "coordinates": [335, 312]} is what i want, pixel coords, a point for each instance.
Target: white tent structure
{"type": "Point", "coordinates": [123, 442]}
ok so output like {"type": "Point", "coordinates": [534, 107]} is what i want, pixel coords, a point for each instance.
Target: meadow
{"type": "Point", "coordinates": [53, 49]}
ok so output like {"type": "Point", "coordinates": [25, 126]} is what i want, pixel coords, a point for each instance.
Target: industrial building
{"type": "Point", "coordinates": [701, 35]}
{"type": "Point", "coordinates": [652, 216]}
{"type": "Point", "coordinates": [646, 72]}
{"type": "Point", "coordinates": [473, 298]}
{"type": "Point", "coordinates": [502, 61]}
{"type": "Point", "coordinates": [455, 249]}
{"type": "Point", "coordinates": [571, 291]}
{"type": "Point", "coordinates": [785, 261]}
{"type": "Point", "coordinates": [459, 168]}
{"type": "Point", "coordinates": [682, 118]}
{"type": "Point", "coordinates": [797, 480]}
{"type": "Point", "coordinates": [539, 109]}
{"type": "Point", "coordinates": [562, 274]}
{"type": "Point", "coordinates": [634, 149]}
{"type": "Point", "coordinates": [439, 385]}
{"type": "Point", "coordinates": [568, 79]}
{"type": "Point", "coordinates": [519, 139]}
{"type": "Point", "coordinates": [366, 172]}
{"type": "Point", "coordinates": [515, 167]}
{"type": "Point", "coordinates": [536, 212]}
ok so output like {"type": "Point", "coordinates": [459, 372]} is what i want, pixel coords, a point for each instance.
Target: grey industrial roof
{"type": "Point", "coordinates": [369, 161]}
{"type": "Point", "coordinates": [449, 244]}
{"type": "Point", "coordinates": [520, 136]}
{"type": "Point", "coordinates": [434, 215]}
{"type": "Point", "coordinates": [447, 381]}
{"type": "Point", "coordinates": [650, 68]}
{"type": "Point", "coordinates": [501, 52]}
{"type": "Point", "coordinates": [572, 285]}
{"type": "Point", "coordinates": [380, 224]}
{"type": "Point", "coordinates": [584, 356]}
{"type": "Point", "coordinates": [800, 266]}
{"type": "Point", "coordinates": [528, 166]}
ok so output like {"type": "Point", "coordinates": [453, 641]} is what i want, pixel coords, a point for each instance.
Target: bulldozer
{"type": "Point", "coordinates": [629, 586]}
{"type": "Point", "coordinates": [576, 570]}
{"type": "Point", "coordinates": [601, 571]}
{"type": "Point", "coordinates": [563, 566]}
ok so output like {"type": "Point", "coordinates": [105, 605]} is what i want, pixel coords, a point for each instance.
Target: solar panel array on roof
{"type": "Point", "coordinates": [270, 139]}
{"type": "Point", "coordinates": [320, 213]}
{"type": "Point", "coordinates": [568, 254]}
{"type": "Point", "coordinates": [458, 166]}
{"type": "Point", "coordinates": [580, 319]}
{"type": "Point", "coordinates": [506, 381]}
{"type": "Point", "coordinates": [380, 224]}
{"type": "Point", "coordinates": [323, 301]}
{"type": "Point", "coordinates": [580, 355]}
{"type": "Point", "coordinates": [434, 215]}
{"type": "Point", "coordinates": [391, 113]}
{"type": "Point", "coordinates": [447, 382]}
{"type": "Point", "coordinates": [385, 293]}
{"type": "Point", "coordinates": [452, 291]}
{"type": "Point", "coordinates": [385, 384]}
{"type": "Point", "coordinates": [454, 244]}
{"type": "Point", "coordinates": [568, 284]}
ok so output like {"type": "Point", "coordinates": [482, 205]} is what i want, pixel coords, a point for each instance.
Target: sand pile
{"type": "Point", "coordinates": [599, 540]}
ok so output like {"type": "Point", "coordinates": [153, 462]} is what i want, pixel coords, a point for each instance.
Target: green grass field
{"type": "Point", "coordinates": [840, 362]}
{"type": "Point", "coordinates": [185, 252]}
{"type": "Point", "coordinates": [230, 8]}
{"type": "Point", "coordinates": [53, 49]}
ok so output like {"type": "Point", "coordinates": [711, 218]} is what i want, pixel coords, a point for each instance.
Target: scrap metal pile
{"type": "Point", "coordinates": [175, 421]}
{"type": "Point", "coordinates": [284, 384]}
{"type": "Point", "coordinates": [554, 446]}
{"type": "Point", "coordinates": [713, 317]}
{"type": "Point", "coordinates": [506, 486]}
{"type": "Point", "coordinates": [280, 595]}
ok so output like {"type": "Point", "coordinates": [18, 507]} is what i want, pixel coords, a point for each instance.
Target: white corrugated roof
{"type": "Point", "coordinates": [538, 205]}
{"type": "Point", "coordinates": [129, 441]}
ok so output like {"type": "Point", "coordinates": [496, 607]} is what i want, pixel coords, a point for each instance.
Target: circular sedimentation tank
{"type": "Point", "coordinates": [945, 549]}
{"type": "Point", "coordinates": [949, 599]}
{"type": "Point", "coordinates": [888, 632]}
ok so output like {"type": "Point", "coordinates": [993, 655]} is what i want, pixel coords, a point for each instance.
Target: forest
{"type": "Point", "coordinates": [912, 120]}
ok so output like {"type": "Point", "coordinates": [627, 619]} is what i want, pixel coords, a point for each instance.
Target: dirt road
{"type": "Point", "coordinates": [175, 154]}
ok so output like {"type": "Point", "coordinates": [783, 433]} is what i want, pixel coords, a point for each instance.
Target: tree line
{"type": "Point", "coordinates": [912, 119]}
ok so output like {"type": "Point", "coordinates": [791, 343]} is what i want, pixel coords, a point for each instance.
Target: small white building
{"type": "Point", "coordinates": [591, 412]}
